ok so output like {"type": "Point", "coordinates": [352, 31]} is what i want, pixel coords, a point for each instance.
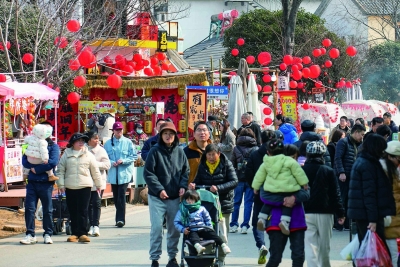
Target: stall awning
{"type": "Point", "coordinates": [38, 91]}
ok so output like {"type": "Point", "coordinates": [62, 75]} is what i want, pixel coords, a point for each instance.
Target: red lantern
{"type": "Point", "coordinates": [61, 42]}
{"type": "Point", "coordinates": [341, 84]}
{"type": "Point", "coordinates": [164, 67]}
{"type": "Point", "coordinates": [297, 60]}
{"type": "Point", "coordinates": [73, 25]}
{"type": "Point", "coordinates": [323, 51]}
{"type": "Point", "coordinates": [8, 45]}
{"type": "Point", "coordinates": [315, 71]}
{"type": "Point", "coordinates": [120, 60]}
{"type": "Point", "coordinates": [282, 66]}
{"type": "Point", "coordinates": [114, 81]}
{"type": "Point", "coordinates": [300, 85]}
{"type": "Point", "coordinates": [130, 93]}
{"type": "Point", "coordinates": [351, 51]}
{"type": "Point", "coordinates": [297, 75]}
{"type": "Point", "coordinates": [73, 97]}
{"type": "Point", "coordinates": [74, 64]}
{"type": "Point", "coordinates": [318, 84]}
{"type": "Point", "coordinates": [265, 99]}
{"type": "Point", "coordinates": [316, 52]}
{"type": "Point", "coordinates": [349, 85]}
{"type": "Point", "coordinates": [139, 92]}
{"type": "Point", "coordinates": [137, 58]}
{"type": "Point", "coordinates": [267, 89]}
{"type": "Point", "coordinates": [326, 42]}
{"type": "Point", "coordinates": [328, 63]}
{"type": "Point", "coordinates": [293, 84]}
{"type": "Point", "coordinates": [127, 69]}
{"type": "Point", "coordinates": [235, 52]}
{"type": "Point", "coordinates": [259, 88]}
{"type": "Point", "coordinates": [299, 66]}
{"type": "Point", "coordinates": [288, 59]}
{"type": "Point", "coordinates": [3, 78]}
{"type": "Point", "coordinates": [306, 60]}
{"type": "Point", "coordinates": [334, 53]}
{"type": "Point", "coordinates": [79, 81]}
{"type": "Point", "coordinates": [138, 66]}
{"type": "Point", "coordinates": [157, 71]}
{"type": "Point", "coordinates": [266, 78]}
{"type": "Point", "coordinates": [153, 61]}
{"type": "Point", "coordinates": [78, 46]}
{"type": "Point", "coordinates": [119, 73]}
{"type": "Point", "coordinates": [306, 106]}
{"type": "Point", "coordinates": [306, 73]}
{"type": "Point", "coordinates": [148, 71]}
{"type": "Point", "coordinates": [268, 121]}
{"type": "Point", "coordinates": [27, 58]}
{"type": "Point", "coordinates": [86, 58]}
{"type": "Point", "coordinates": [161, 56]}
{"type": "Point", "coordinates": [295, 68]}
{"type": "Point", "coordinates": [264, 58]}
{"type": "Point", "coordinates": [250, 59]}
{"type": "Point", "coordinates": [107, 60]}
{"type": "Point", "coordinates": [267, 111]}
{"type": "Point", "coordinates": [240, 41]}
{"type": "Point", "coordinates": [145, 62]}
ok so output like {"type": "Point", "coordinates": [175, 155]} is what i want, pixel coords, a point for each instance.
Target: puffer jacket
{"type": "Point", "coordinates": [103, 162]}
{"type": "Point", "coordinates": [254, 162]}
{"type": "Point", "coordinates": [77, 171]}
{"type": "Point", "coordinates": [393, 230]}
{"type": "Point", "coordinates": [289, 133]}
{"type": "Point", "coordinates": [313, 136]}
{"type": "Point", "coordinates": [193, 154]}
{"type": "Point", "coordinates": [224, 178]}
{"type": "Point", "coordinates": [345, 156]}
{"type": "Point", "coordinates": [324, 189]}
{"type": "Point", "coordinates": [331, 147]}
{"type": "Point", "coordinates": [247, 145]}
{"type": "Point", "coordinates": [394, 128]}
{"type": "Point", "coordinates": [370, 191]}
{"type": "Point", "coordinates": [280, 174]}
{"type": "Point", "coordinates": [199, 218]}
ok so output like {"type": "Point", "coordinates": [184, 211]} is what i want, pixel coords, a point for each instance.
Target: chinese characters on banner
{"type": "Point", "coordinates": [98, 106]}
{"type": "Point", "coordinates": [67, 123]}
{"type": "Point", "coordinates": [171, 99]}
{"type": "Point", "coordinates": [196, 107]}
{"type": "Point", "coordinates": [13, 165]}
{"type": "Point", "coordinates": [162, 41]}
{"type": "Point", "coordinates": [288, 100]}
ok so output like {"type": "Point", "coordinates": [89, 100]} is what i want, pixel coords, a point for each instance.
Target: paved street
{"type": "Point", "coordinates": [128, 246]}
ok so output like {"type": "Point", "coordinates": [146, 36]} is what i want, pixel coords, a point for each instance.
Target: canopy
{"type": "Point", "coordinates": [362, 109]}
{"type": "Point", "coordinates": [327, 115]}
{"type": "Point", "coordinates": [23, 90]}
{"type": "Point", "coordinates": [236, 104]}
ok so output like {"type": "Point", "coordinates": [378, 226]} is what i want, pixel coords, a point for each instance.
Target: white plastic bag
{"type": "Point", "coordinates": [349, 252]}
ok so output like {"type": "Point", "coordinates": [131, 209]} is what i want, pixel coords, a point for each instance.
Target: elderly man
{"type": "Point", "coordinates": [248, 123]}
{"type": "Point", "coordinates": [211, 124]}
{"type": "Point", "coordinates": [387, 119]}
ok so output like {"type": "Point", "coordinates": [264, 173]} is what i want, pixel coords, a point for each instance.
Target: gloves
{"type": "Point", "coordinates": [387, 221]}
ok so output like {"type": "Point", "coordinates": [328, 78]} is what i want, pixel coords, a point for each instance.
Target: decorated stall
{"type": "Point", "coordinates": [20, 104]}
{"type": "Point", "coordinates": [365, 109]}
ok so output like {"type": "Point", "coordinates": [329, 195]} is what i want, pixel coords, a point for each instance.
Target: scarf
{"type": "Point", "coordinates": [186, 209]}
{"type": "Point", "coordinates": [212, 166]}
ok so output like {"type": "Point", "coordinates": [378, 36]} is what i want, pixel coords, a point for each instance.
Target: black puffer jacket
{"type": "Point", "coordinates": [370, 193]}
{"type": "Point", "coordinates": [255, 161]}
{"type": "Point", "coordinates": [345, 156]}
{"type": "Point", "coordinates": [224, 178]}
{"type": "Point", "coordinates": [247, 145]}
{"type": "Point", "coordinates": [313, 136]}
{"type": "Point", "coordinates": [324, 189]}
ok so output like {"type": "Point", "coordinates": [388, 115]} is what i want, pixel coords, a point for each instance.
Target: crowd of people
{"type": "Point", "coordinates": [354, 177]}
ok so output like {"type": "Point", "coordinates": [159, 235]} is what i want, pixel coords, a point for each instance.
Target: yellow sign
{"type": "Point", "coordinates": [162, 41]}
{"type": "Point", "coordinates": [196, 107]}
{"type": "Point", "coordinates": [98, 106]}
{"type": "Point", "coordinates": [289, 103]}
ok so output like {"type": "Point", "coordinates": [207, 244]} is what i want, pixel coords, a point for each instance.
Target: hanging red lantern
{"type": "Point", "coordinates": [73, 97]}
{"type": "Point", "coordinates": [235, 52]}
{"type": "Point", "coordinates": [165, 67]}
{"type": "Point", "coordinates": [153, 61]}
{"type": "Point", "coordinates": [288, 59]}
{"type": "Point", "coordinates": [3, 78]}
{"type": "Point", "coordinates": [8, 45]}
{"type": "Point", "coordinates": [300, 85]}
{"type": "Point", "coordinates": [315, 71]}
{"type": "Point", "coordinates": [267, 111]}
{"type": "Point", "coordinates": [297, 75]}
{"type": "Point", "coordinates": [127, 69]}
{"type": "Point", "coordinates": [334, 53]}
{"type": "Point", "coordinates": [326, 42]}
{"type": "Point", "coordinates": [297, 60]}
{"type": "Point", "coordinates": [328, 63]}
{"type": "Point", "coordinates": [349, 84]}
{"type": "Point", "coordinates": [120, 60]}
{"type": "Point", "coordinates": [114, 81]}
{"type": "Point", "coordinates": [79, 81]}
{"type": "Point", "coordinates": [107, 60]}
{"type": "Point", "coordinates": [137, 58]}
{"type": "Point", "coordinates": [293, 84]}
{"type": "Point", "coordinates": [318, 84]}
{"type": "Point", "coordinates": [295, 68]}
{"type": "Point", "coordinates": [157, 71]}
{"type": "Point", "coordinates": [61, 42]}
{"type": "Point", "coordinates": [27, 58]}
{"type": "Point", "coordinates": [268, 121]}
{"type": "Point", "coordinates": [264, 58]}
{"type": "Point", "coordinates": [78, 46]}
{"type": "Point", "coordinates": [282, 66]}
{"type": "Point", "coordinates": [240, 41]}
{"type": "Point", "coordinates": [145, 62]}
{"type": "Point", "coordinates": [259, 88]}
{"type": "Point", "coordinates": [250, 59]}
{"type": "Point", "coordinates": [139, 92]}
{"type": "Point", "coordinates": [86, 58]}
{"type": "Point", "coordinates": [265, 99]}
{"type": "Point", "coordinates": [139, 66]}
{"type": "Point", "coordinates": [306, 106]}
{"type": "Point", "coordinates": [316, 52]}
{"type": "Point", "coordinates": [306, 73]}
{"type": "Point", "coordinates": [74, 64]}
{"type": "Point", "coordinates": [161, 56]}
{"type": "Point", "coordinates": [148, 71]}
{"type": "Point", "coordinates": [306, 60]}
{"type": "Point", "coordinates": [323, 51]}
{"type": "Point", "coordinates": [130, 93]}
{"type": "Point", "coordinates": [266, 78]}
{"type": "Point", "coordinates": [119, 73]}
{"type": "Point", "coordinates": [300, 66]}
{"type": "Point", "coordinates": [73, 25]}
{"type": "Point", "coordinates": [341, 84]}
{"type": "Point", "coordinates": [351, 51]}
{"type": "Point", "coordinates": [267, 89]}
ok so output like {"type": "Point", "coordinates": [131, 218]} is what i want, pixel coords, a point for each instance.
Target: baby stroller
{"type": "Point", "coordinates": [61, 220]}
{"type": "Point", "coordinates": [211, 203]}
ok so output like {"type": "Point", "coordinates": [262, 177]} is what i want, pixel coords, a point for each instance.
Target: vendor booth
{"type": "Point", "coordinates": [20, 102]}
{"type": "Point", "coordinates": [365, 109]}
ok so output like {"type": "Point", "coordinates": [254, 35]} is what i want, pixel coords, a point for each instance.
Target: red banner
{"type": "Point", "coordinates": [171, 100]}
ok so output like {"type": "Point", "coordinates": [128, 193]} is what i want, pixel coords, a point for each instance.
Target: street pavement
{"type": "Point", "coordinates": [128, 246]}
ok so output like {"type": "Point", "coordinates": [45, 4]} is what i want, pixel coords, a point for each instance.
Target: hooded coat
{"type": "Point", "coordinates": [289, 133]}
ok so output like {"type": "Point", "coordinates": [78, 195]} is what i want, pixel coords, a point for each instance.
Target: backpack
{"type": "Point", "coordinates": [102, 119]}
{"type": "Point", "coordinates": [241, 166]}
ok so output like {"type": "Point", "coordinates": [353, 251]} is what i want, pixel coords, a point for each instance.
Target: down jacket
{"type": "Point", "coordinates": [78, 170]}
{"type": "Point", "coordinates": [37, 144]}
{"type": "Point", "coordinates": [200, 218]}
{"type": "Point", "coordinates": [370, 193]}
{"type": "Point", "coordinates": [345, 155]}
{"type": "Point", "coordinates": [103, 162]}
{"type": "Point", "coordinates": [289, 133]}
{"type": "Point", "coordinates": [224, 178]}
{"type": "Point", "coordinates": [313, 136]}
{"type": "Point", "coordinates": [247, 145]}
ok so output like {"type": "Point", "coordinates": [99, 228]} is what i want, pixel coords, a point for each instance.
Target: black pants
{"type": "Point", "coordinates": [206, 234]}
{"type": "Point", "coordinates": [278, 242]}
{"type": "Point", "coordinates": [286, 211]}
{"type": "Point", "coordinates": [95, 208]}
{"type": "Point", "coordinates": [344, 192]}
{"type": "Point", "coordinates": [78, 203]}
{"type": "Point", "coordinates": [119, 191]}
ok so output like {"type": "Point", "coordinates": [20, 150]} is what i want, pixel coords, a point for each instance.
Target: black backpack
{"type": "Point", "coordinates": [241, 166]}
{"type": "Point", "coordinates": [102, 119]}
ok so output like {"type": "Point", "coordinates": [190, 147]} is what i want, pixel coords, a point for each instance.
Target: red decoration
{"type": "Point", "coordinates": [349, 84]}
{"type": "Point", "coordinates": [148, 71]}
{"type": "Point", "coordinates": [316, 52]}
{"type": "Point", "coordinates": [306, 60]}
{"type": "Point", "coordinates": [120, 60]}
{"type": "Point", "coordinates": [8, 45]}
{"type": "Point", "coordinates": [259, 88]}
{"type": "Point", "coordinates": [235, 52]}
{"type": "Point", "coordinates": [297, 75]}
{"type": "Point", "coordinates": [157, 71]}
{"type": "Point", "coordinates": [139, 92]}
{"type": "Point", "coordinates": [282, 66]}
{"type": "Point", "coordinates": [318, 84]}
{"type": "Point", "coordinates": [107, 60]}
{"type": "Point", "coordinates": [300, 85]}
{"type": "Point", "coordinates": [267, 89]}
{"type": "Point", "coordinates": [306, 106]}
{"type": "Point", "coordinates": [138, 66]}
{"type": "Point", "coordinates": [130, 93]}
{"type": "Point", "coordinates": [61, 42]}
{"type": "Point", "coordinates": [323, 51]}
{"type": "Point", "coordinates": [328, 63]}
{"type": "Point", "coordinates": [161, 56]}
{"type": "Point", "coordinates": [27, 58]}
{"type": "Point", "coordinates": [73, 25]}
{"type": "Point", "coordinates": [3, 78]}
{"type": "Point", "coordinates": [306, 73]}
{"type": "Point", "coordinates": [250, 59]}
{"type": "Point", "coordinates": [137, 58]}
{"type": "Point", "coordinates": [265, 99]}
{"type": "Point", "coordinates": [240, 41]}
{"type": "Point", "coordinates": [79, 81]}
{"type": "Point", "coordinates": [114, 81]}
{"type": "Point", "coordinates": [127, 69]}
{"type": "Point", "coordinates": [268, 121]}
{"type": "Point", "coordinates": [164, 67]}
{"type": "Point", "coordinates": [351, 51]}
{"type": "Point", "coordinates": [86, 58]}
{"type": "Point", "coordinates": [326, 42]}
{"type": "Point", "coordinates": [266, 78]}
{"type": "Point", "coordinates": [315, 71]}
{"type": "Point", "coordinates": [299, 66]}
{"type": "Point", "coordinates": [78, 46]}
{"type": "Point", "coordinates": [293, 84]}
{"type": "Point", "coordinates": [264, 58]}
{"type": "Point", "coordinates": [295, 68]}
{"type": "Point", "coordinates": [153, 61]}
{"type": "Point", "coordinates": [288, 59]}
{"type": "Point", "coordinates": [334, 53]}
{"type": "Point", "coordinates": [267, 111]}
{"type": "Point", "coordinates": [73, 97]}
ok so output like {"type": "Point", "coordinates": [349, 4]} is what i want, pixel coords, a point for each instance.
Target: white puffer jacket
{"type": "Point", "coordinates": [37, 144]}
{"type": "Point", "coordinates": [78, 170]}
{"type": "Point", "coordinates": [103, 162]}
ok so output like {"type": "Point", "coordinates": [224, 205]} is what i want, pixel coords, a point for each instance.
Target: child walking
{"type": "Point", "coordinates": [191, 213]}
{"type": "Point", "coordinates": [282, 176]}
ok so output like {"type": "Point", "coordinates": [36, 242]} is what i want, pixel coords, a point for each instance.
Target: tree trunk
{"type": "Point", "coordinates": [290, 8]}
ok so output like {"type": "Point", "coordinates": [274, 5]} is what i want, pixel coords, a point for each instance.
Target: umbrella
{"type": "Point", "coordinates": [243, 71]}
{"type": "Point", "coordinates": [252, 98]}
{"type": "Point", "coordinates": [236, 103]}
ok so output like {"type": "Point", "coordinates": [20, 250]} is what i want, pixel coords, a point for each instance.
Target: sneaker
{"type": "Point", "coordinates": [96, 231]}
{"type": "Point", "coordinates": [261, 224]}
{"type": "Point", "coordinates": [84, 238]}
{"type": "Point", "coordinates": [172, 263]}
{"type": "Point", "coordinates": [154, 264]}
{"type": "Point", "coordinates": [244, 230]}
{"type": "Point", "coordinates": [199, 248]}
{"type": "Point", "coordinates": [47, 239]}
{"type": "Point", "coordinates": [262, 253]}
{"type": "Point", "coordinates": [284, 225]}
{"type": "Point", "coordinates": [233, 229]}
{"type": "Point", "coordinates": [72, 238]}
{"type": "Point", "coordinates": [29, 240]}
{"type": "Point", "coordinates": [120, 224]}
{"type": "Point", "coordinates": [90, 233]}
{"type": "Point", "coordinates": [225, 249]}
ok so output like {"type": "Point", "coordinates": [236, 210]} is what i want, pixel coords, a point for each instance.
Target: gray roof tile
{"type": "Point", "coordinates": [198, 56]}
{"type": "Point", "coordinates": [378, 7]}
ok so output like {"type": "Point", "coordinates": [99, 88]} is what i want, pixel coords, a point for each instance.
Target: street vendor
{"type": "Point", "coordinates": [138, 134]}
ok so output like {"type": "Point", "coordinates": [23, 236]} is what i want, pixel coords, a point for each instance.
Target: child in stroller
{"type": "Point", "coordinates": [194, 221]}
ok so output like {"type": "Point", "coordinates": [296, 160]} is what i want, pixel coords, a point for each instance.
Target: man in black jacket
{"type": "Point", "coordinates": [387, 119]}
{"type": "Point", "coordinates": [248, 123]}
{"type": "Point", "coordinates": [375, 123]}
{"type": "Point", "coordinates": [345, 156]}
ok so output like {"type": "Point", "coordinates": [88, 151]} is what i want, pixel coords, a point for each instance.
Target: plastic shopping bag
{"type": "Point", "coordinates": [384, 258]}
{"type": "Point", "coordinates": [367, 255]}
{"type": "Point", "coordinates": [349, 252]}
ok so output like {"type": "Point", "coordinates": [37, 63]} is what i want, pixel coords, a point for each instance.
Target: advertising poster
{"type": "Point", "coordinates": [13, 164]}
{"type": "Point", "coordinates": [196, 107]}
{"type": "Point", "coordinates": [288, 100]}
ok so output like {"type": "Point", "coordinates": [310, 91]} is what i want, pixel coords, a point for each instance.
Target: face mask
{"type": "Point", "coordinates": [139, 131]}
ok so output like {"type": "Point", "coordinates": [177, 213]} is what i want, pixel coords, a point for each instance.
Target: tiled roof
{"type": "Point", "coordinates": [198, 56]}
{"type": "Point", "coordinates": [378, 7]}
{"type": "Point", "coordinates": [322, 7]}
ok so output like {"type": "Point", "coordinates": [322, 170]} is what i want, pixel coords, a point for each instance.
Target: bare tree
{"type": "Point", "coordinates": [290, 9]}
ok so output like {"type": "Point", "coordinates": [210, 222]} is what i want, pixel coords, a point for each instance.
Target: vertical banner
{"type": "Point", "coordinates": [171, 99]}
{"type": "Point", "coordinates": [288, 100]}
{"type": "Point", "coordinates": [13, 165]}
{"type": "Point", "coordinates": [196, 107]}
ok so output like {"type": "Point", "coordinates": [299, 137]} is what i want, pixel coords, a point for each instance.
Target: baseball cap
{"type": "Point", "coordinates": [117, 125]}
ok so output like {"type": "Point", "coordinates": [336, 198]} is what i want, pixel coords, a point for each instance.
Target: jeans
{"type": "Point", "coordinates": [258, 235]}
{"type": "Point", "coordinates": [78, 204]}
{"type": "Point", "coordinates": [34, 192]}
{"type": "Point", "coordinates": [119, 191]}
{"type": "Point", "coordinates": [95, 207]}
{"type": "Point", "coordinates": [242, 188]}
{"type": "Point", "coordinates": [278, 242]}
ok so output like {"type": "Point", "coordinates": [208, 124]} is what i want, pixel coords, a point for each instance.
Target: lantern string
{"type": "Point", "coordinates": [23, 72]}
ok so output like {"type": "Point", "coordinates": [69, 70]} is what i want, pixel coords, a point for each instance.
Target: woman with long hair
{"type": "Point", "coordinates": [228, 139]}
{"type": "Point", "coordinates": [336, 135]}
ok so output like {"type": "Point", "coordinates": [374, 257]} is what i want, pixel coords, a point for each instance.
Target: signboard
{"type": "Point", "coordinates": [13, 164]}
{"type": "Point", "coordinates": [97, 106]}
{"type": "Point", "coordinates": [137, 108]}
{"type": "Point", "coordinates": [214, 92]}
{"type": "Point", "coordinates": [318, 94]}
{"type": "Point", "coordinates": [162, 41]}
{"type": "Point", "coordinates": [283, 83]}
{"type": "Point", "coordinates": [288, 100]}
{"type": "Point", "coordinates": [196, 107]}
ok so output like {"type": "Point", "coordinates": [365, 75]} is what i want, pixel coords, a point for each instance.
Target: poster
{"type": "Point", "coordinates": [98, 106]}
{"type": "Point", "coordinates": [67, 123]}
{"type": "Point", "coordinates": [171, 99]}
{"type": "Point", "coordinates": [137, 108]}
{"type": "Point", "coordinates": [288, 100]}
{"type": "Point", "coordinates": [196, 107]}
{"type": "Point", "coordinates": [13, 164]}
{"type": "Point", "coordinates": [318, 94]}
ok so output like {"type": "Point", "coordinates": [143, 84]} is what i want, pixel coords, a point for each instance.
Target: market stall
{"type": "Point", "coordinates": [20, 102]}
{"type": "Point", "coordinates": [365, 109]}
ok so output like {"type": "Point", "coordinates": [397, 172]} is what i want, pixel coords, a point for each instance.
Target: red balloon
{"type": "Point", "coordinates": [74, 64]}
{"type": "Point", "coordinates": [3, 78]}
{"type": "Point", "coordinates": [334, 53]}
{"type": "Point", "coordinates": [282, 66]}
{"type": "Point", "coordinates": [306, 60]}
{"type": "Point", "coordinates": [267, 89]}
{"type": "Point", "coordinates": [266, 78]}
{"type": "Point", "coordinates": [328, 63]}
{"type": "Point", "coordinates": [73, 97]}
{"type": "Point", "coordinates": [306, 106]}
{"type": "Point", "coordinates": [293, 84]}
{"type": "Point", "coordinates": [137, 58]}
{"type": "Point", "coordinates": [114, 81]}
{"type": "Point", "coordinates": [27, 58]}
{"type": "Point", "coordinates": [264, 58]}
{"type": "Point", "coordinates": [316, 52]}
{"type": "Point", "coordinates": [288, 59]}
{"type": "Point", "coordinates": [73, 25]}
{"type": "Point", "coordinates": [235, 52]}
{"type": "Point", "coordinates": [165, 67]}
{"type": "Point", "coordinates": [351, 51]}
{"type": "Point", "coordinates": [315, 71]}
{"type": "Point", "coordinates": [61, 42]}
{"type": "Point", "coordinates": [267, 111]}
{"type": "Point", "coordinates": [79, 81]}
{"type": "Point", "coordinates": [240, 41]}
{"type": "Point", "coordinates": [161, 56]}
{"type": "Point", "coordinates": [326, 42]}
{"type": "Point", "coordinates": [268, 121]}
{"type": "Point", "coordinates": [323, 51]}
{"type": "Point", "coordinates": [306, 72]}
{"type": "Point", "coordinates": [250, 59]}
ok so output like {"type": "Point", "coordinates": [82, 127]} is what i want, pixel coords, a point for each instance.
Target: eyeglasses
{"type": "Point", "coordinates": [199, 130]}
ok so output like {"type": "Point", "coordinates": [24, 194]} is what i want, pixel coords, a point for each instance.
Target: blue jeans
{"type": "Point", "coordinates": [258, 235]}
{"type": "Point", "coordinates": [242, 188]}
{"type": "Point", "coordinates": [34, 192]}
